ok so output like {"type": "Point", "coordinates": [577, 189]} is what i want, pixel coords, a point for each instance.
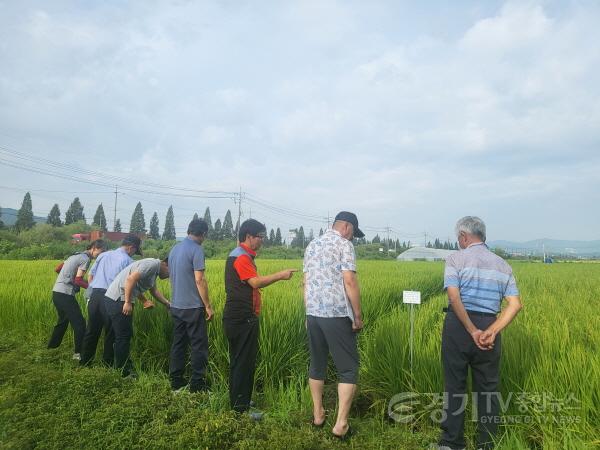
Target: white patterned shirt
{"type": "Point", "coordinates": [325, 259]}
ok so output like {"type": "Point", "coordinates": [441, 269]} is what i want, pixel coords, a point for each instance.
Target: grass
{"type": "Point", "coordinates": [550, 353]}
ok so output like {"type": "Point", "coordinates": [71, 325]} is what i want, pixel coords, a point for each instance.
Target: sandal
{"type": "Point", "coordinates": [346, 436]}
{"type": "Point", "coordinates": [319, 425]}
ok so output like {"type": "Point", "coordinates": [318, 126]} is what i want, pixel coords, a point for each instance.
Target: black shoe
{"type": "Point", "coordinates": [198, 388]}
{"type": "Point", "coordinates": [83, 363]}
{"type": "Point", "coordinates": [178, 384]}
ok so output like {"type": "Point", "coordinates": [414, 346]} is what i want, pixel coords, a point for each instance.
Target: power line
{"type": "Point", "coordinates": [104, 176]}
{"type": "Point", "coordinates": [98, 183]}
{"type": "Point", "coordinates": [53, 191]}
{"type": "Point", "coordinates": [23, 161]}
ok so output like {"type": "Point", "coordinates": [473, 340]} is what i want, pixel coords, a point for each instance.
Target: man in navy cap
{"type": "Point", "coordinates": [332, 300]}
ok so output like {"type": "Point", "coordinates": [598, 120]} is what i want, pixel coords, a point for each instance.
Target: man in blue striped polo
{"type": "Point", "coordinates": [476, 281]}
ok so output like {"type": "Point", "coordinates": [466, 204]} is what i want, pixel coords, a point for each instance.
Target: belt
{"type": "Point", "coordinates": [472, 313]}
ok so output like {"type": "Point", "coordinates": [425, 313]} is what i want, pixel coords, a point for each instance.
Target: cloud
{"type": "Point", "coordinates": [518, 26]}
{"type": "Point", "coordinates": [294, 101]}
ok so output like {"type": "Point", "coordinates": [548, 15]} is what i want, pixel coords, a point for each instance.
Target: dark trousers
{"type": "Point", "coordinates": [97, 320]}
{"type": "Point", "coordinates": [189, 327]}
{"type": "Point", "coordinates": [332, 335]}
{"type": "Point", "coordinates": [122, 327]}
{"type": "Point", "coordinates": [68, 313]}
{"type": "Point", "coordinates": [459, 352]}
{"type": "Point", "coordinates": [243, 348]}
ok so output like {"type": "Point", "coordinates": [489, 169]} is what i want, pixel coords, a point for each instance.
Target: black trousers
{"type": "Point", "coordinates": [459, 352]}
{"type": "Point", "coordinates": [97, 320]}
{"type": "Point", "coordinates": [122, 327]}
{"type": "Point", "coordinates": [189, 327]}
{"type": "Point", "coordinates": [243, 348]}
{"type": "Point", "coordinates": [68, 313]}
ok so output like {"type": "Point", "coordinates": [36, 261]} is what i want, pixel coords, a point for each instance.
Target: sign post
{"type": "Point", "coordinates": [412, 298]}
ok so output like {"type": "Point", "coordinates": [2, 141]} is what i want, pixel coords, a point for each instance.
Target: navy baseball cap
{"type": "Point", "coordinates": [350, 218]}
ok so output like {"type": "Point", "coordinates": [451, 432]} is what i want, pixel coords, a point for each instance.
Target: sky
{"type": "Point", "coordinates": [410, 114]}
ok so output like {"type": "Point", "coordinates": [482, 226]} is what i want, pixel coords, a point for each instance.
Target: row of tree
{"type": "Point", "coordinates": [221, 230]}
{"type": "Point", "coordinates": [447, 245]}
{"type": "Point", "coordinates": [390, 243]}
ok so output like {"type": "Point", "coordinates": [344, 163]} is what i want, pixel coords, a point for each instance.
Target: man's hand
{"type": "Point", "coordinates": [357, 325]}
{"type": "Point", "coordinates": [209, 312]}
{"type": "Point", "coordinates": [488, 338]}
{"type": "Point", "coordinates": [476, 335]}
{"type": "Point", "coordinates": [127, 308]}
{"type": "Point", "coordinates": [287, 274]}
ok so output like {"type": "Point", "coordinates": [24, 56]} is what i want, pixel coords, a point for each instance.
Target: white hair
{"type": "Point", "coordinates": [471, 225]}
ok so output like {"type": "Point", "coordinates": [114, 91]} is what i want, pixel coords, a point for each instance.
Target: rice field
{"type": "Point", "coordinates": [550, 362]}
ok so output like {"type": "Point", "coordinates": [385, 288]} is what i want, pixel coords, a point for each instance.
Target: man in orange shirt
{"type": "Point", "coordinates": [242, 309]}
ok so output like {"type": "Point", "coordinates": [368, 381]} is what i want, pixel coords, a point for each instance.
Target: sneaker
{"type": "Point", "coordinates": [77, 356]}
{"type": "Point", "coordinates": [148, 304]}
{"type": "Point", "coordinates": [130, 376]}
{"type": "Point", "coordinates": [440, 447]}
{"type": "Point", "coordinates": [256, 416]}
{"type": "Point", "coordinates": [180, 390]}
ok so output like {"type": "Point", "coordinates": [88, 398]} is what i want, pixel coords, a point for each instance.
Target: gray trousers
{"type": "Point", "coordinates": [332, 335]}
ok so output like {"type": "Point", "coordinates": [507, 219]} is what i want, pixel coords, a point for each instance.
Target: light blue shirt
{"type": "Point", "coordinates": [482, 277]}
{"type": "Point", "coordinates": [107, 267]}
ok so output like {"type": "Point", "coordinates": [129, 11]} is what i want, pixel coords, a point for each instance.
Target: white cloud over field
{"type": "Point", "coordinates": [410, 115]}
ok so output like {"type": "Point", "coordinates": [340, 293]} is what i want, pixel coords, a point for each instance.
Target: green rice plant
{"type": "Point", "coordinates": [553, 346]}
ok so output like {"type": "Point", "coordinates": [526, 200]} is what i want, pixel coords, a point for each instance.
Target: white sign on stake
{"type": "Point", "coordinates": [411, 297]}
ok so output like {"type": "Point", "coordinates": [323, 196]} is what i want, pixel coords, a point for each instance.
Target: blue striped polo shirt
{"type": "Point", "coordinates": [482, 277]}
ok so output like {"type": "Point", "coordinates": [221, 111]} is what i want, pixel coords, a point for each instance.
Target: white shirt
{"type": "Point", "coordinates": [325, 259]}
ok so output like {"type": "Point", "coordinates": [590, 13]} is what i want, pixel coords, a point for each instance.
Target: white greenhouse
{"type": "Point", "coordinates": [424, 254]}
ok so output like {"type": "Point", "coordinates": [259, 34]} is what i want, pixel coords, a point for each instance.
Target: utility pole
{"type": "Point", "coordinates": [240, 208]}
{"type": "Point", "coordinates": [115, 214]}
{"type": "Point", "coordinates": [388, 239]}
{"type": "Point", "coordinates": [425, 244]}
{"type": "Point", "coordinates": [544, 252]}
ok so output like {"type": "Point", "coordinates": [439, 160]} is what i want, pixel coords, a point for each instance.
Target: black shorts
{"type": "Point", "coordinates": [332, 335]}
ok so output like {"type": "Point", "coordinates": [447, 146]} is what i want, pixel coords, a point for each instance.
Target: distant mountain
{"type": "Point", "coordinates": [551, 246]}
{"type": "Point", "coordinates": [9, 217]}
